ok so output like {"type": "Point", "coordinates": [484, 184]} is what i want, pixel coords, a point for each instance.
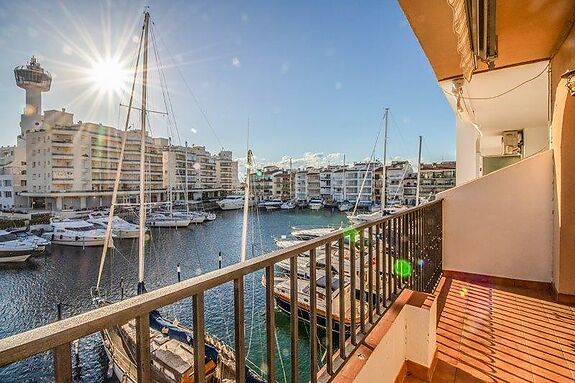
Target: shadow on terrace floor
{"type": "Point", "coordinates": [489, 333]}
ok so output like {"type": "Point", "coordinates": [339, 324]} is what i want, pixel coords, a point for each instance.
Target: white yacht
{"type": "Point", "coordinates": [209, 216]}
{"type": "Point", "coordinates": [13, 248]}
{"type": "Point", "coordinates": [315, 203]}
{"type": "Point", "coordinates": [167, 220]}
{"type": "Point", "coordinates": [310, 233]}
{"type": "Point", "coordinates": [193, 216]}
{"type": "Point", "coordinates": [120, 227]}
{"type": "Point", "coordinates": [232, 202]}
{"type": "Point", "coordinates": [288, 205]}
{"type": "Point", "coordinates": [273, 204]}
{"type": "Point", "coordinates": [74, 233]}
{"type": "Point", "coordinates": [41, 243]}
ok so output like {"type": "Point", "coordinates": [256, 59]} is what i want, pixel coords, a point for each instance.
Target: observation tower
{"type": "Point", "coordinates": [35, 80]}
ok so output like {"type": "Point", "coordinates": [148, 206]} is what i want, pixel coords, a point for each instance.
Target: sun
{"type": "Point", "coordinates": [109, 76]}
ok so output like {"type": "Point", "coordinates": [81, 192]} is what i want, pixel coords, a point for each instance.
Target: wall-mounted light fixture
{"type": "Point", "coordinates": [570, 84]}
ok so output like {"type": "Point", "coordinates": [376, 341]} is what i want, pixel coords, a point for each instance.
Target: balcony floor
{"type": "Point", "coordinates": [490, 333]}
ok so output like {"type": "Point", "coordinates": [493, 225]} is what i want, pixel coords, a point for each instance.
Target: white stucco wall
{"type": "Point", "coordinates": [502, 224]}
{"type": "Point", "coordinates": [412, 336]}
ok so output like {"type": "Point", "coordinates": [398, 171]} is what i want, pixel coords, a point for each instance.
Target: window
{"type": "Point", "coordinates": [7, 182]}
{"type": "Point", "coordinates": [8, 194]}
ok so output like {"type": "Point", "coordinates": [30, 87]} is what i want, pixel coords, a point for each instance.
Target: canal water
{"type": "Point", "coordinates": [30, 292]}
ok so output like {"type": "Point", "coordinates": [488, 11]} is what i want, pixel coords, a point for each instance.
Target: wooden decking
{"type": "Point", "coordinates": [490, 333]}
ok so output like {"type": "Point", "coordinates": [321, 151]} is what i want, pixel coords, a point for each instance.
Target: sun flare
{"type": "Point", "coordinates": [109, 76]}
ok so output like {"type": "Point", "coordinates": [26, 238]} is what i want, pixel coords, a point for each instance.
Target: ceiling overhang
{"type": "Point", "coordinates": [527, 31]}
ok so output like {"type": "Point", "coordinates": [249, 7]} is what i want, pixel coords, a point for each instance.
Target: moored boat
{"type": "Point", "coordinates": [14, 249]}
{"type": "Point", "coordinates": [120, 227]}
{"type": "Point", "coordinates": [77, 233]}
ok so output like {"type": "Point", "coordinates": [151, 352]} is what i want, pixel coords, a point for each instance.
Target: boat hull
{"type": "Point", "coordinates": [305, 315]}
{"type": "Point", "coordinates": [126, 234]}
{"type": "Point", "coordinates": [171, 223]}
{"type": "Point", "coordinates": [224, 206]}
{"type": "Point", "coordinates": [15, 256]}
{"type": "Point", "coordinates": [64, 240]}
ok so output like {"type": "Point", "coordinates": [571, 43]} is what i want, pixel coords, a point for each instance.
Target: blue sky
{"type": "Point", "coordinates": [312, 77]}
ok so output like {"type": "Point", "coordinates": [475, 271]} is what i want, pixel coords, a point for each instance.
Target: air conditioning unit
{"type": "Point", "coordinates": [512, 141]}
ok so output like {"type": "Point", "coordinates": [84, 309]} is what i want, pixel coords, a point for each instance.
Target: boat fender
{"type": "Point", "coordinates": [77, 238]}
{"type": "Point", "coordinates": [61, 236]}
{"type": "Point", "coordinates": [52, 237]}
{"type": "Point", "coordinates": [165, 330]}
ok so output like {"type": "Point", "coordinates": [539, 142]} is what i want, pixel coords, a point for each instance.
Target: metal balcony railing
{"type": "Point", "coordinates": [385, 256]}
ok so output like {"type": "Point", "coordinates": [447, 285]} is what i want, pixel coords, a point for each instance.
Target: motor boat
{"type": "Point", "coordinates": [310, 233]}
{"type": "Point", "coordinates": [167, 220]}
{"type": "Point", "coordinates": [344, 205]}
{"type": "Point", "coordinates": [209, 215]}
{"type": "Point", "coordinates": [120, 227]}
{"type": "Point", "coordinates": [315, 203]}
{"type": "Point", "coordinates": [193, 216]}
{"type": "Point", "coordinates": [288, 205]}
{"type": "Point", "coordinates": [273, 204]}
{"type": "Point", "coordinates": [24, 235]}
{"type": "Point", "coordinates": [74, 233]}
{"type": "Point", "coordinates": [14, 249]}
{"type": "Point", "coordinates": [233, 202]}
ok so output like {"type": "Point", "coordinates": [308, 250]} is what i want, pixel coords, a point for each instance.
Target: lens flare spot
{"type": "Point", "coordinates": [463, 292]}
{"type": "Point", "coordinates": [402, 267]}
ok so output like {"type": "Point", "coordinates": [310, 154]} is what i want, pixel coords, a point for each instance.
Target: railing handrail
{"type": "Point", "coordinates": [26, 344]}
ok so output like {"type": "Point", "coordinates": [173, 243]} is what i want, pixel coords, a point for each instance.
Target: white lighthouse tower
{"type": "Point", "coordinates": [35, 80]}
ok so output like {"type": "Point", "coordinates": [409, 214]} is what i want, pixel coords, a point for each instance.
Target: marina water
{"type": "Point", "coordinates": [30, 292]}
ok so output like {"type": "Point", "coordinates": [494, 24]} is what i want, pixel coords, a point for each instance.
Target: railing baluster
{"type": "Point", "coordinates": [199, 338]}
{"type": "Point", "coordinates": [270, 324]}
{"type": "Point", "coordinates": [370, 275]}
{"type": "Point", "coordinates": [409, 220]}
{"type": "Point", "coordinates": [341, 259]}
{"type": "Point", "coordinates": [294, 318]}
{"type": "Point", "coordinates": [352, 286]}
{"type": "Point", "coordinates": [143, 359]}
{"type": "Point", "coordinates": [378, 269]}
{"type": "Point", "coordinates": [239, 329]}
{"type": "Point", "coordinates": [362, 280]}
{"type": "Point", "coordinates": [63, 363]}
{"type": "Point", "coordinates": [389, 259]}
{"type": "Point", "coordinates": [328, 308]}
{"type": "Point", "coordinates": [396, 253]}
{"type": "Point", "coordinates": [313, 315]}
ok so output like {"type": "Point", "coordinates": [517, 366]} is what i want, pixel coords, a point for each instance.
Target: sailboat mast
{"type": "Point", "coordinates": [108, 237]}
{"type": "Point", "coordinates": [418, 172]}
{"type": "Point", "coordinates": [143, 158]}
{"type": "Point", "coordinates": [290, 181]}
{"type": "Point", "coordinates": [343, 176]}
{"type": "Point", "coordinates": [246, 207]}
{"type": "Point", "coordinates": [186, 178]}
{"type": "Point", "coordinates": [384, 172]}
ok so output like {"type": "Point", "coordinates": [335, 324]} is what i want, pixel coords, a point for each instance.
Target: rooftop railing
{"type": "Point", "coordinates": [377, 259]}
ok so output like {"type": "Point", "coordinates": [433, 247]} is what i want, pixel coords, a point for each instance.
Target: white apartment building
{"type": "Point", "coordinates": [435, 178]}
{"type": "Point", "coordinates": [301, 193]}
{"type": "Point", "coordinates": [12, 176]}
{"type": "Point", "coordinates": [396, 174]}
{"type": "Point", "coordinates": [346, 183]}
{"type": "Point", "coordinates": [73, 165]}
{"type": "Point", "coordinates": [226, 172]}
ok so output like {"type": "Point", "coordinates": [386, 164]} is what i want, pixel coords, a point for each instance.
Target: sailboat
{"type": "Point", "coordinates": [360, 218]}
{"type": "Point", "coordinates": [171, 343]}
